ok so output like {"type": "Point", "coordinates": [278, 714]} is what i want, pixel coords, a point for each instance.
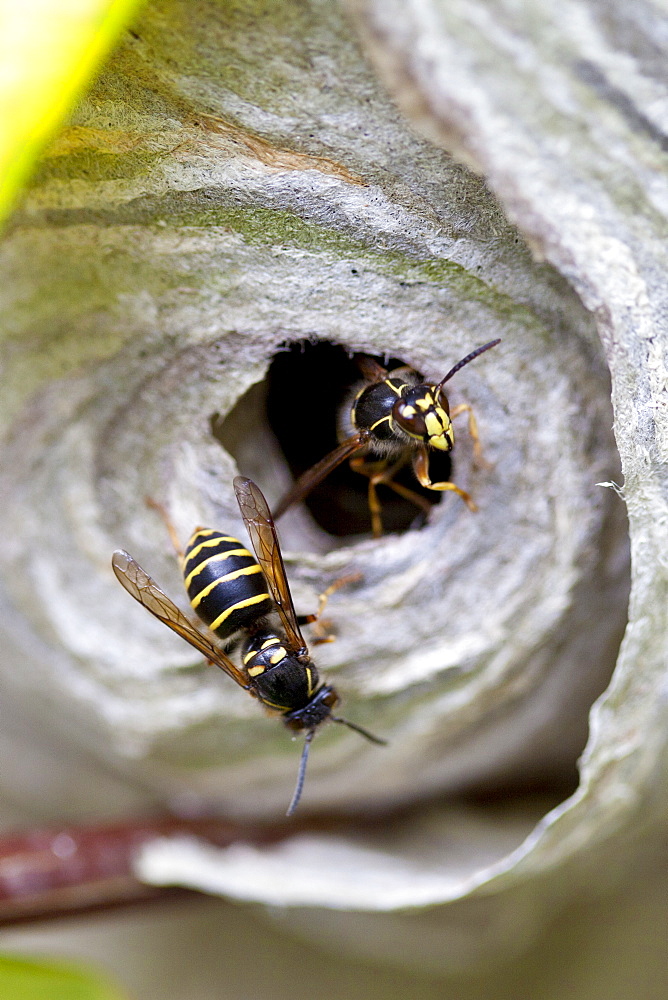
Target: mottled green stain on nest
{"type": "Point", "coordinates": [89, 283]}
{"type": "Point", "coordinates": [270, 227]}
{"type": "Point", "coordinates": [267, 227]}
{"type": "Point", "coordinates": [227, 41]}
{"type": "Point", "coordinates": [93, 166]}
{"type": "Point", "coordinates": [273, 229]}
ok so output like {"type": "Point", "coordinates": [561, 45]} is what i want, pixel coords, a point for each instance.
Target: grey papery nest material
{"type": "Point", "coordinates": [199, 213]}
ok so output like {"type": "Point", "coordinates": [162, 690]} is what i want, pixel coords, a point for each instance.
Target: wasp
{"type": "Point", "coordinates": [396, 417]}
{"type": "Point", "coordinates": [239, 598]}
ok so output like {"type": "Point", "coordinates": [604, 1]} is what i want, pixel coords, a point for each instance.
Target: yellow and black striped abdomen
{"type": "Point", "coordinates": [225, 584]}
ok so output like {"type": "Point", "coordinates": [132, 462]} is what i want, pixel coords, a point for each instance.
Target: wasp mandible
{"type": "Point", "coordinates": [396, 417]}
{"type": "Point", "coordinates": [239, 596]}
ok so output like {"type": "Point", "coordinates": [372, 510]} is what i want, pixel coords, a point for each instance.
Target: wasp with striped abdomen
{"type": "Point", "coordinates": [238, 596]}
{"type": "Point", "coordinates": [392, 418]}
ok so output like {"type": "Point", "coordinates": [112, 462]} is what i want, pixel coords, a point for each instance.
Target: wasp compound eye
{"type": "Point", "coordinates": [443, 402]}
{"type": "Point", "coordinates": [409, 419]}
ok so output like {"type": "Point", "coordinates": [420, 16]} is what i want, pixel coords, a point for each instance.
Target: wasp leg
{"type": "Point", "coordinates": [161, 510]}
{"type": "Point", "coordinates": [314, 619]}
{"type": "Point", "coordinates": [380, 473]}
{"type": "Point", "coordinates": [421, 469]}
{"type": "Point", "coordinates": [478, 456]}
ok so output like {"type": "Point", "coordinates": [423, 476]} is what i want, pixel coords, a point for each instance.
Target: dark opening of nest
{"type": "Point", "coordinates": [305, 388]}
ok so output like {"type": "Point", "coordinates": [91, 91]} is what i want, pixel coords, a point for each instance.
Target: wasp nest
{"type": "Point", "coordinates": [205, 220]}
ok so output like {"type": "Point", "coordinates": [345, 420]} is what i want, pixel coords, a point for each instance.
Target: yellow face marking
{"type": "Point", "coordinates": [424, 404]}
{"type": "Point", "coordinates": [255, 671]}
{"type": "Point", "coordinates": [235, 607]}
{"type": "Point", "coordinates": [443, 438]}
{"type": "Point", "coordinates": [433, 423]}
{"type": "Point", "coordinates": [276, 657]}
{"type": "Point", "coordinates": [244, 571]}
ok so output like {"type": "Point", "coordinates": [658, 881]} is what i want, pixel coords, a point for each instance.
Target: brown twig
{"type": "Point", "coordinates": [74, 869]}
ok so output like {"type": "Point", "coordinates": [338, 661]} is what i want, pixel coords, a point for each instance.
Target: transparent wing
{"type": "Point", "coordinates": [310, 479]}
{"type": "Point", "coordinates": [262, 530]}
{"type": "Point", "coordinates": [144, 589]}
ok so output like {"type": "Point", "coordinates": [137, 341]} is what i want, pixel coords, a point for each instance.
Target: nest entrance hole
{"type": "Point", "coordinates": [306, 385]}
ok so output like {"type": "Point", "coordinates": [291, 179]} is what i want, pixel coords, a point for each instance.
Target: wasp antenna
{"type": "Point", "coordinates": [469, 357]}
{"type": "Point", "coordinates": [302, 773]}
{"type": "Point", "coordinates": [358, 729]}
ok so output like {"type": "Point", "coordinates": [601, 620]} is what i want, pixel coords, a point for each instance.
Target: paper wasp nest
{"type": "Point", "coordinates": [194, 219]}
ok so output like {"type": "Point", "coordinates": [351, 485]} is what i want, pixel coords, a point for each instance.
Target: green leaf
{"type": "Point", "coordinates": [27, 979]}
{"type": "Point", "coordinates": [49, 52]}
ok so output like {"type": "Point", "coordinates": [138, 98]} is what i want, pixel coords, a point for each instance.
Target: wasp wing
{"type": "Point", "coordinates": [145, 590]}
{"type": "Point", "coordinates": [369, 368]}
{"type": "Point", "coordinates": [313, 476]}
{"type": "Point", "coordinates": [262, 530]}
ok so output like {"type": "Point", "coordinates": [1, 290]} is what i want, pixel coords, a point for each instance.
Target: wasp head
{"type": "Point", "coordinates": [316, 710]}
{"type": "Point", "coordinates": [424, 414]}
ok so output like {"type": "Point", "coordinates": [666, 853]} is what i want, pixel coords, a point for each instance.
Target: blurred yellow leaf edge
{"type": "Point", "coordinates": [37, 978]}
{"type": "Point", "coordinates": [50, 50]}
